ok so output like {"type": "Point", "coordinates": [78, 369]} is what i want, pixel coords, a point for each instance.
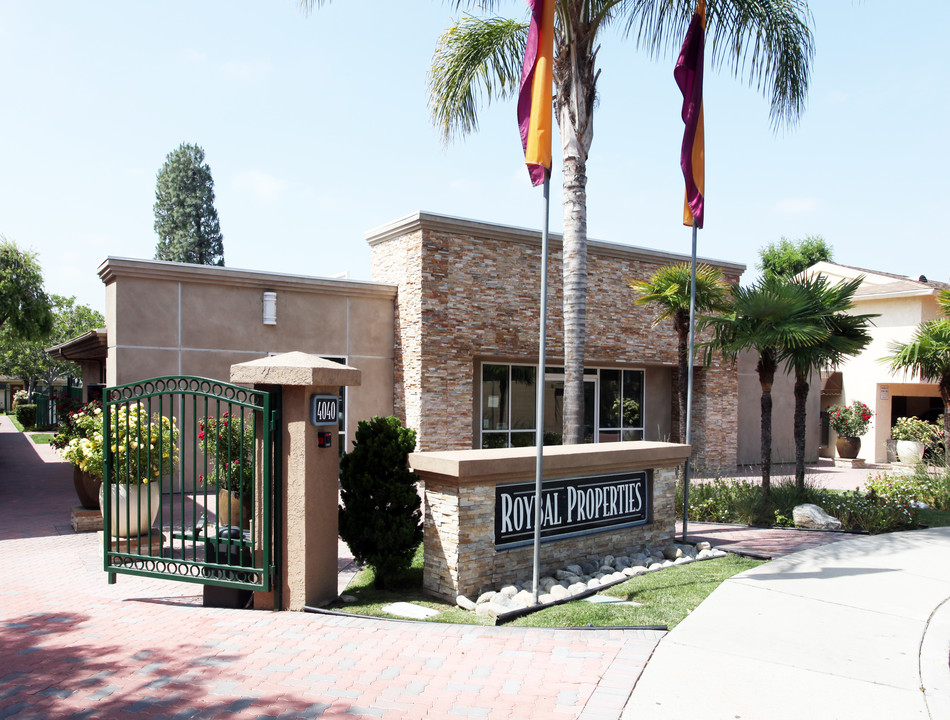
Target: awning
{"type": "Point", "coordinates": [831, 383]}
{"type": "Point", "coordinates": [92, 345]}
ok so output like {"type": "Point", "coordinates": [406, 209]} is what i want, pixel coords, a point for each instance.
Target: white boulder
{"type": "Point", "coordinates": [813, 517]}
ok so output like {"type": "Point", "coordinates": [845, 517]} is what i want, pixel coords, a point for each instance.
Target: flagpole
{"type": "Point", "coordinates": [542, 363]}
{"type": "Point", "coordinates": [689, 383]}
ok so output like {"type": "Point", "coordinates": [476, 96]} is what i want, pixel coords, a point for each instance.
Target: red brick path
{"type": "Point", "coordinates": [72, 646]}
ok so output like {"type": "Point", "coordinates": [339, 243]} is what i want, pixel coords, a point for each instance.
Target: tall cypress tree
{"type": "Point", "coordinates": [185, 219]}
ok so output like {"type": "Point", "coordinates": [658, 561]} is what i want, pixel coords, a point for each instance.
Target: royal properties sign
{"type": "Point", "coordinates": [572, 505]}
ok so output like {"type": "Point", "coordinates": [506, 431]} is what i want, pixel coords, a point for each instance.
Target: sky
{"type": "Point", "coordinates": [316, 129]}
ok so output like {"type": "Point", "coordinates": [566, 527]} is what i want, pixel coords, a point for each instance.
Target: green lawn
{"type": "Point", "coordinates": [41, 438]}
{"type": "Point", "coordinates": [664, 597]}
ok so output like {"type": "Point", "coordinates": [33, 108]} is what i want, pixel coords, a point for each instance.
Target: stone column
{"type": "Point", "coordinates": [309, 486]}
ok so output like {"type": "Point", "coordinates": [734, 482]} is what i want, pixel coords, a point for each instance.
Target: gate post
{"type": "Point", "coordinates": [309, 487]}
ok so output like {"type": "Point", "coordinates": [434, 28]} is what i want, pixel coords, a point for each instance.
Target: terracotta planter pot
{"type": "Point", "coordinates": [848, 447]}
{"type": "Point", "coordinates": [910, 452]}
{"type": "Point", "coordinates": [87, 488]}
{"type": "Point", "coordinates": [237, 513]}
{"type": "Point", "coordinates": [133, 508]}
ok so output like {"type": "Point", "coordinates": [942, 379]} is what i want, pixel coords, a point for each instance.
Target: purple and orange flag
{"type": "Point", "coordinates": [535, 95]}
{"type": "Point", "coordinates": [689, 77]}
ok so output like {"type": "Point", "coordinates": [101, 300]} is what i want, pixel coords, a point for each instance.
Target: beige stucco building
{"type": "Point", "coordinates": [901, 303]}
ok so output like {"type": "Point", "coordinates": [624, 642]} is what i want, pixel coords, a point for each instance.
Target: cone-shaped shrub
{"type": "Point", "coordinates": [380, 511]}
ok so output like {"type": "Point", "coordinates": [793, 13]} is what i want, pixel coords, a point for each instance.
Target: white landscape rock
{"type": "Point", "coordinates": [813, 517]}
{"type": "Point", "coordinates": [586, 575]}
{"type": "Point", "coordinates": [485, 597]}
{"type": "Point", "coordinates": [464, 603]}
{"type": "Point", "coordinates": [523, 599]}
{"type": "Point", "coordinates": [578, 588]}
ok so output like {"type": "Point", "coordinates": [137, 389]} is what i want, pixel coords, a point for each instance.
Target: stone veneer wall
{"type": "Point", "coordinates": [470, 291]}
{"type": "Point", "coordinates": [461, 559]}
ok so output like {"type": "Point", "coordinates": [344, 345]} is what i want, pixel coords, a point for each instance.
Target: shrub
{"type": "Point", "coordinates": [26, 415]}
{"type": "Point", "coordinates": [870, 512]}
{"type": "Point", "coordinates": [912, 428]}
{"type": "Point", "coordinates": [850, 420]}
{"type": "Point", "coordinates": [933, 484]}
{"type": "Point", "coordinates": [888, 507]}
{"type": "Point", "coordinates": [228, 443]}
{"type": "Point", "coordinates": [143, 448]}
{"type": "Point", "coordinates": [380, 512]}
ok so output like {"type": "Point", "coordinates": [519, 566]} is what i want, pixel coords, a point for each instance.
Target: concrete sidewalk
{"type": "Point", "coordinates": [855, 629]}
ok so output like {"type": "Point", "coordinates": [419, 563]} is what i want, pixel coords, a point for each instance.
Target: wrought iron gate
{"type": "Point", "coordinates": [189, 468]}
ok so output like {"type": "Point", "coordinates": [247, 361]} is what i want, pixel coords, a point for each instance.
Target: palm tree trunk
{"type": "Point", "coordinates": [766, 370]}
{"type": "Point", "coordinates": [574, 81]}
{"type": "Point", "coordinates": [801, 398]}
{"type": "Point", "coordinates": [575, 297]}
{"type": "Point", "coordinates": [682, 333]}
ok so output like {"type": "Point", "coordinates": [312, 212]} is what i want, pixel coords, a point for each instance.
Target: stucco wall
{"type": "Point", "coordinates": [783, 415]}
{"type": "Point", "coordinates": [469, 292]}
{"type": "Point", "coordinates": [866, 379]}
{"type": "Point", "coordinates": [176, 319]}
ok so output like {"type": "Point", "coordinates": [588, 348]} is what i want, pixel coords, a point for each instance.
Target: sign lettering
{"type": "Point", "coordinates": [572, 505]}
{"type": "Point", "coordinates": [323, 410]}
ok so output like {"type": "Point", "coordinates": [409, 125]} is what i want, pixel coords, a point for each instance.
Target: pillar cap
{"type": "Point", "coordinates": [295, 368]}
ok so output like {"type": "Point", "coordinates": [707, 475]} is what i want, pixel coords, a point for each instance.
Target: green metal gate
{"type": "Point", "coordinates": [188, 481]}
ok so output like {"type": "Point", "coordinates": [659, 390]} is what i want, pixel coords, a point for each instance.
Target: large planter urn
{"type": "Point", "coordinates": [233, 509]}
{"type": "Point", "coordinates": [910, 452]}
{"type": "Point", "coordinates": [133, 508]}
{"type": "Point", "coordinates": [848, 447]}
{"type": "Point", "coordinates": [87, 488]}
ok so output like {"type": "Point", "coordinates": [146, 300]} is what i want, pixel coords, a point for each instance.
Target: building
{"type": "Point", "coordinates": [446, 335]}
{"type": "Point", "coordinates": [901, 304]}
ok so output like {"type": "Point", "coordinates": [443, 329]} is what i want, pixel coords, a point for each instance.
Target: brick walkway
{"type": "Point", "coordinates": [766, 543]}
{"type": "Point", "coordinates": [72, 646]}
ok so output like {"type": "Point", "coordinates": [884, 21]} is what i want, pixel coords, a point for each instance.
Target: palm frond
{"type": "Point", "coordinates": [943, 300]}
{"type": "Point", "coordinates": [474, 57]}
{"type": "Point", "coordinates": [307, 6]}
{"type": "Point", "coordinates": [926, 355]}
{"type": "Point", "coordinates": [769, 41]}
{"type": "Point", "coordinates": [669, 290]}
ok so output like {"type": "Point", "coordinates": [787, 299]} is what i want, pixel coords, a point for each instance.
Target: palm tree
{"type": "Point", "coordinates": [771, 318]}
{"type": "Point", "coordinates": [669, 289]}
{"type": "Point", "coordinates": [476, 57]}
{"type": "Point", "coordinates": [927, 355]}
{"type": "Point", "coordinates": [845, 335]}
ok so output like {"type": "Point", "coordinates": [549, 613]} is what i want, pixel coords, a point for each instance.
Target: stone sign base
{"type": "Point", "coordinates": [462, 509]}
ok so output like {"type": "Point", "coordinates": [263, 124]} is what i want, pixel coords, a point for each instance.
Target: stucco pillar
{"type": "Point", "coordinates": [309, 485]}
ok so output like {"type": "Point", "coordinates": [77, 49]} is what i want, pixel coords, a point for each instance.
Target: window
{"type": "Point", "coordinates": [613, 405]}
{"type": "Point", "coordinates": [508, 406]}
{"type": "Point", "coordinates": [621, 405]}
